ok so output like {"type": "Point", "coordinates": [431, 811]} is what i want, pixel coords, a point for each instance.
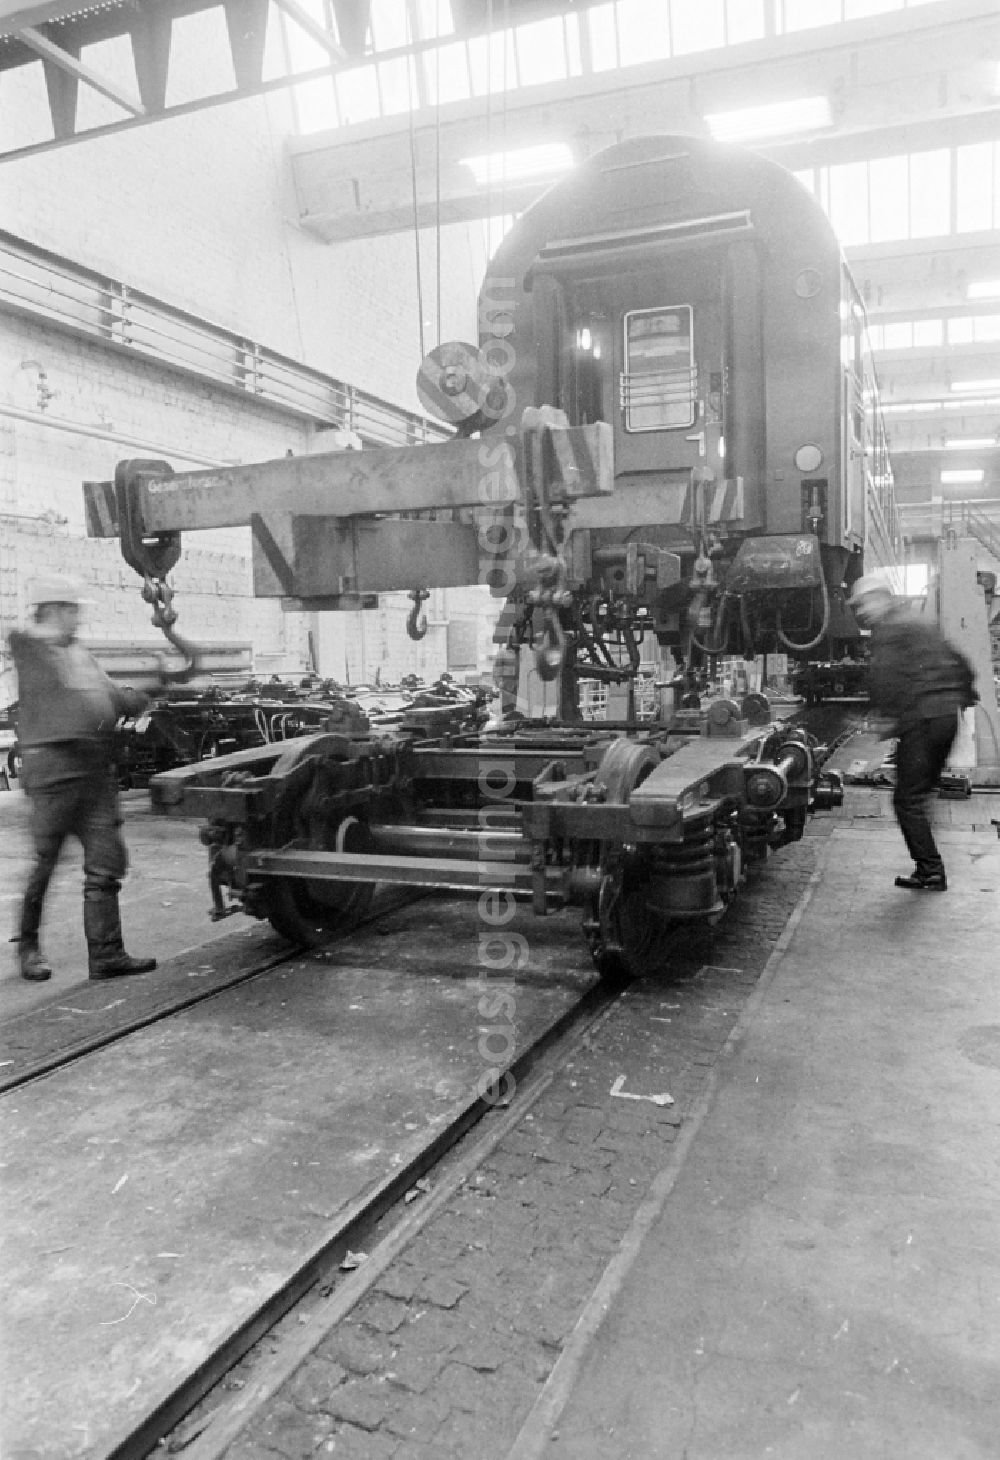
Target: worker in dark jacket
{"type": "Point", "coordinates": [67, 709]}
{"type": "Point", "coordinates": [919, 682]}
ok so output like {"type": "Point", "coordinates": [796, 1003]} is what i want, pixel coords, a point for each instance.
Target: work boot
{"type": "Point", "coordinates": [33, 965]}
{"type": "Point", "coordinates": [120, 965]}
{"type": "Point", "coordinates": [924, 881]}
{"type": "Point", "coordinates": [102, 925]}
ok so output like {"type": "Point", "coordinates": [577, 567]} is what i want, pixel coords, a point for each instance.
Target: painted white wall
{"type": "Point", "coordinates": [199, 212]}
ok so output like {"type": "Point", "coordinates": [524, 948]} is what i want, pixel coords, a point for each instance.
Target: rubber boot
{"type": "Point", "coordinates": [102, 925]}
{"type": "Point", "coordinates": [33, 966]}
{"type": "Point", "coordinates": [29, 956]}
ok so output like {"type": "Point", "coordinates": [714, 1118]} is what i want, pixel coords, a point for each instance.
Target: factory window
{"type": "Point", "coordinates": [446, 74]}
{"type": "Point", "coordinates": [974, 329]}
{"type": "Point", "coordinates": [594, 39]}
{"type": "Point", "coordinates": [928, 332]}
{"type": "Point", "coordinates": [977, 187]}
{"type": "Point", "coordinates": [697, 25]}
{"type": "Point", "coordinates": [658, 382]}
{"type": "Point", "coordinates": [493, 61]}
{"type": "Point", "coordinates": [804, 14]}
{"type": "Point", "coordinates": [389, 25]}
{"type": "Point", "coordinates": [897, 336]}
{"type": "Point", "coordinates": [858, 9]}
{"type": "Point", "coordinates": [889, 197]}
{"type": "Point", "coordinates": [930, 188]}
{"type": "Point", "coordinates": [889, 183]}
{"type": "Point", "coordinates": [574, 51]}
{"type": "Point", "coordinates": [847, 185]}
{"type": "Point", "coordinates": [434, 18]}
{"type": "Point", "coordinates": [398, 85]}
{"type": "Point", "coordinates": [603, 38]}
{"type": "Point", "coordinates": [745, 21]}
{"type": "Point", "coordinates": [541, 51]}
{"type": "Point", "coordinates": [643, 31]}
{"type": "Point", "coordinates": [357, 94]}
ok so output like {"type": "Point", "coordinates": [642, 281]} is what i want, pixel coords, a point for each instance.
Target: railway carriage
{"type": "Point", "coordinates": [695, 297]}
{"type": "Point", "coordinates": [669, 426]}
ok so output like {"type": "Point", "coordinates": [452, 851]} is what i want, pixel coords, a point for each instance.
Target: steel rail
{"type": "Point", "coordinates": [101, 1039]}
{"type": "Point", "coordinates": [560, 1039]}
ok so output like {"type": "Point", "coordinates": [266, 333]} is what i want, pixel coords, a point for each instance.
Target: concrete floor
{"type": "Point", "coordinates": [823, 1279]}
{"type": "Point", "coordinates": [154, 1194]}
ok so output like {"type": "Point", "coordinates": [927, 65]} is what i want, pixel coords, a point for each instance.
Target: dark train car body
{"type": "Point", "coordinates": [695, 296]}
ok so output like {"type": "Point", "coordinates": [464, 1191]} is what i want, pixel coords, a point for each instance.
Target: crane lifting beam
{"type": "Point", "coordinates": [319, 530]}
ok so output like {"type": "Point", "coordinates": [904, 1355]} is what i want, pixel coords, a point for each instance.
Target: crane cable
{"type": "Point", "coordinates": [413, 182]}
{"type": "Point", "coordinates": [437, 159]}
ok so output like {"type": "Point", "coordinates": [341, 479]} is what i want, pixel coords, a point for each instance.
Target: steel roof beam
{"type": "Point", "coordinates": [317, 32]}
{"type": "Point", "coordinates": [54, 55]}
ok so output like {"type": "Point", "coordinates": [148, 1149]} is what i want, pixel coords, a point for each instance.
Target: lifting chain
{"type": "Point", "coordinates": [158, 593]}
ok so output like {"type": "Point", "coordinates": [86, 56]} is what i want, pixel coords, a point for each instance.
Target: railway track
{"type": "Point", "coordinates": [571, 1157]}
{"type": "Point", "coordinates": [173, 1147]}
{"type": "Point", "coordinates": [376, 1216]}
{"type": "Point", "coordinates": [44, 1040]}
{"type": "Point", "coordinates": [380, 1226]}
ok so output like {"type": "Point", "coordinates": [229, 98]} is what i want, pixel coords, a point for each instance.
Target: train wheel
{"type": "Point", "coordinates": [631, 940]}
{"type": "Point", "coordinates": [624, 766]}
{"type": "Point", "coordinates": [308, 911]}
{"type": "Point", "coordinates": [626, 937]}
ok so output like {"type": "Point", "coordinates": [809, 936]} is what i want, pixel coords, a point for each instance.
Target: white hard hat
{"type": "Point", "coordinates": [870, 585]}
{"type": "Point", "coordinates": [55, 588]}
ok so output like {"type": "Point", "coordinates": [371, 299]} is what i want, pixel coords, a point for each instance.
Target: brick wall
{"type": "Point", "coordinates": [198, 211]}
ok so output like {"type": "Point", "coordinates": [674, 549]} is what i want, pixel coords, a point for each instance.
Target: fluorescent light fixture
{"type": "Point", "coordinates": [524, 162]}
{"type": "Point", "coordinates": [967, 385]}
{"type": "Point", "coordinates": [774, 119]}
{"type": "Point", "coordinates": [984, 289]}
{"type": "Point", "coordinates": [960, 478]}
{"type": "Point", "coordinates": [969, 443]}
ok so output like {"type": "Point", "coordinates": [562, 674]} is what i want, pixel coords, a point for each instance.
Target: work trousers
{"type": "Point", "coordinates": [85, 806]}
{"type": "Point", "coordinates": [921, 755]}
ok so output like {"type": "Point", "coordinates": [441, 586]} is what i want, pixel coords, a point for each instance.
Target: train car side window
{"type": "Point", "coordinates": [658, 383]}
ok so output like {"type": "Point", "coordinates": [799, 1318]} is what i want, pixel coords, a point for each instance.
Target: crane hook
{"type": "Point", "coordinates": [191, 653]}
{"type": "Point", "coordinates": [416, 620]}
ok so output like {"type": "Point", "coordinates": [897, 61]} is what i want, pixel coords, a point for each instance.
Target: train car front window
{"type": "Point", "coordinates": [658, 385]}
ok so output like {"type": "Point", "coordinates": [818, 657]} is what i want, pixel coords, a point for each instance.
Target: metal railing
{"type": "Point", "coordinates": [965, 520]}
{"type": "Point", "coordinates": [45, 286]}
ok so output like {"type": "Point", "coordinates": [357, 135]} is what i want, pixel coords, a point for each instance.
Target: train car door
{"type": "Point", "coordinates": [674, 341]}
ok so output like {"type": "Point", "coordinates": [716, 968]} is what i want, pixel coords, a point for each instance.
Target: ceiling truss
{"type": "Point", "coordinates": [904, 81]}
